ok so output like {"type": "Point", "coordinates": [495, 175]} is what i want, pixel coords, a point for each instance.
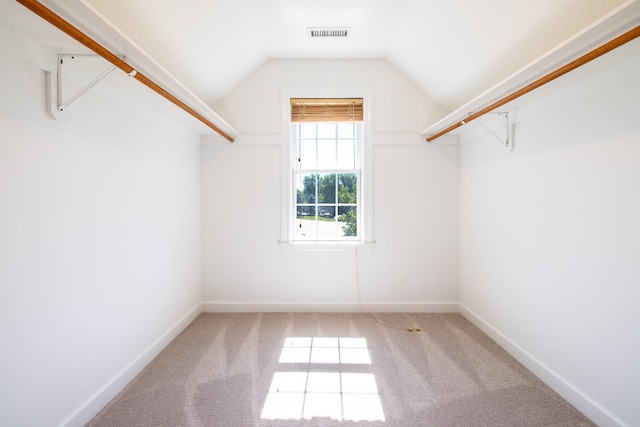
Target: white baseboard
{"type": "Point", "coordinates": [572, 394]}
{"type": "Point", "coordinates": [333, 307]}
{"type": "Point", "coordinates": [94, 404]}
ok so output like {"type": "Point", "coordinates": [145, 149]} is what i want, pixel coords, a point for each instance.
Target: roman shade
{"type": "Point", "coordinates": [326, 110]}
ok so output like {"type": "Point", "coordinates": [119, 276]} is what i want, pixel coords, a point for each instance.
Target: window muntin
{"type": "Point", "coordinates": [326, 181]}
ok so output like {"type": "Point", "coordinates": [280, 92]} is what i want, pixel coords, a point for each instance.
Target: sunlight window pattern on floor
{"type": "Point", "coordinates": [324, 393]}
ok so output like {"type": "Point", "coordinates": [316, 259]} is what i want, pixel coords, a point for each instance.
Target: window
{"type": "Point", "coordinates": [327, 139]}
{"type": "Point", "coordinates": [326, 165]}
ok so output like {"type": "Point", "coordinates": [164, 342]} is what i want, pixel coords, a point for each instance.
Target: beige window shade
{"type": "Point", "coordinates": [326, 110]}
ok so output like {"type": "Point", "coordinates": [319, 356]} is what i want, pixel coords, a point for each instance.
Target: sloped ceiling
{"type": "Point", "coordinates": [452, 49]}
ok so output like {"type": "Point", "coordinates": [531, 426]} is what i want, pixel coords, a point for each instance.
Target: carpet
{"type": "Point", "coordinates": [336, 369]}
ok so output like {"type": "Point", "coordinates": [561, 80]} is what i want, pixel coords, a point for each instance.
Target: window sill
{"type": "Point", "coordinates": [363, 248]}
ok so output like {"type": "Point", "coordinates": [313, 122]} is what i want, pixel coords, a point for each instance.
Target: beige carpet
{"type": "Point", "coordinates": [305, 369]}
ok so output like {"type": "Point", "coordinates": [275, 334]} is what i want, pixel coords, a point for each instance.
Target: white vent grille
{"type": "Point", "coordinates": [329, 32]}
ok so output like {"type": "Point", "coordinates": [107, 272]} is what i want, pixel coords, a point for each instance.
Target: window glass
{"type": "Point", "coordinates": [348, 221]}
{"type": "Point", "coordinates": [306, 188]}
{"type": "Point", "coordinates": [327, 154]}
{"type": "Point", "coordinates": [327, 221]}
{"type": "Point", "coordinates": [327, 188]}
{"type": "Point", "coordinates": [307, 130]}
{"type": "Point", "coordinates": [326, 181]}
{"type": "Point", "coordinates": [307, 154]}
{"type": "Point", "coordinates": [327, 131]}
{"type": "Point", "coordinates": [347, 188]}
{"type": "Point", "coordinates": [346, 154]}
{"type": "Point", "coordinates": [306, 227]}
{"type": "Point", "coordinates": [346, 130]}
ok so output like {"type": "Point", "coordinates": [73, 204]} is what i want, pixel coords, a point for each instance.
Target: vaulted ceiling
{"type": "Point", "coordinates": [452, 49]}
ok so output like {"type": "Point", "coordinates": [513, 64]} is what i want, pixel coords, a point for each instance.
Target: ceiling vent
{"type": "Point", "coordinates": [328, 32]}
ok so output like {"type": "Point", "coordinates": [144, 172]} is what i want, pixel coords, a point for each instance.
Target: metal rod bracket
{"type": "Point", "coordinates": [507, 135]}
{"type": "Point", "coordinates": [56, 105]}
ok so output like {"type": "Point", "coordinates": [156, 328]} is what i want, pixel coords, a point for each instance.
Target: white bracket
{"type": "Point", "coordinates": [56, 105]}
{"type": "Point", "coordinates": [507, 138]}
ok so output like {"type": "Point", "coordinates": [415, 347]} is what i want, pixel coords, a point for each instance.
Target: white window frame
{"type": "Point", "coordinates": [289, 160]}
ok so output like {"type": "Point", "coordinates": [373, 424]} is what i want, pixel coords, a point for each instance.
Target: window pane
{"type": "Point", "coordinates": [327, 154]}
{"type": "Point", "coordinates": [306, 224]}
{"type": "Point", "coordinates": [346, 130]}
{"type": "Point", "coordinates": [347, 221]}
{"type": "Point", "coordinates": [327, 225]}
{"type": "Point", "coordinates": [306, 188]}
{"type": "Point", "coordinates": [326, 212]}
{"type": "Point", "coordinates": [306, 212]}
{"type": "Point", "coordinates": [327, 188]}
{"type": "Point", "coordinates": [307, 154]}
{"type": "Point", "coordinates": [308, 130]}
{"type": "Point", "coordinates": [327, 130]}
{"type": "Point", "coordinates": [346, 154]}
{"type": "Point", "coordinates": [347, 188]}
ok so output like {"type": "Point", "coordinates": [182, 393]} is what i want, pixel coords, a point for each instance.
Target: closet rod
{"type": "Point", "coordinates": [590, 56]}
{"type": "Point", "coordinates": [54, 19]}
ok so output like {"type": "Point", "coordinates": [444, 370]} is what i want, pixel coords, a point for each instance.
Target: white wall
{"type": "Point", "coordinates": [415, 198]}
{"type": "Point", "coordinates": [100, 220]}
{"type": "Point", "coordinates": [99, 241]}
{"type": "Point", "coordinates": [550, 236]}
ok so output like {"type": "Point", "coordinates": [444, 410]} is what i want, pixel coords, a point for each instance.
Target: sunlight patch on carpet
{"type": "Point", "coordinates": [324, 391]}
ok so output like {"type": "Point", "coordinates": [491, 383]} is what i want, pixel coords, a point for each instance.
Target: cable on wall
{"type": "Point", "coordinates": [377, 319]}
